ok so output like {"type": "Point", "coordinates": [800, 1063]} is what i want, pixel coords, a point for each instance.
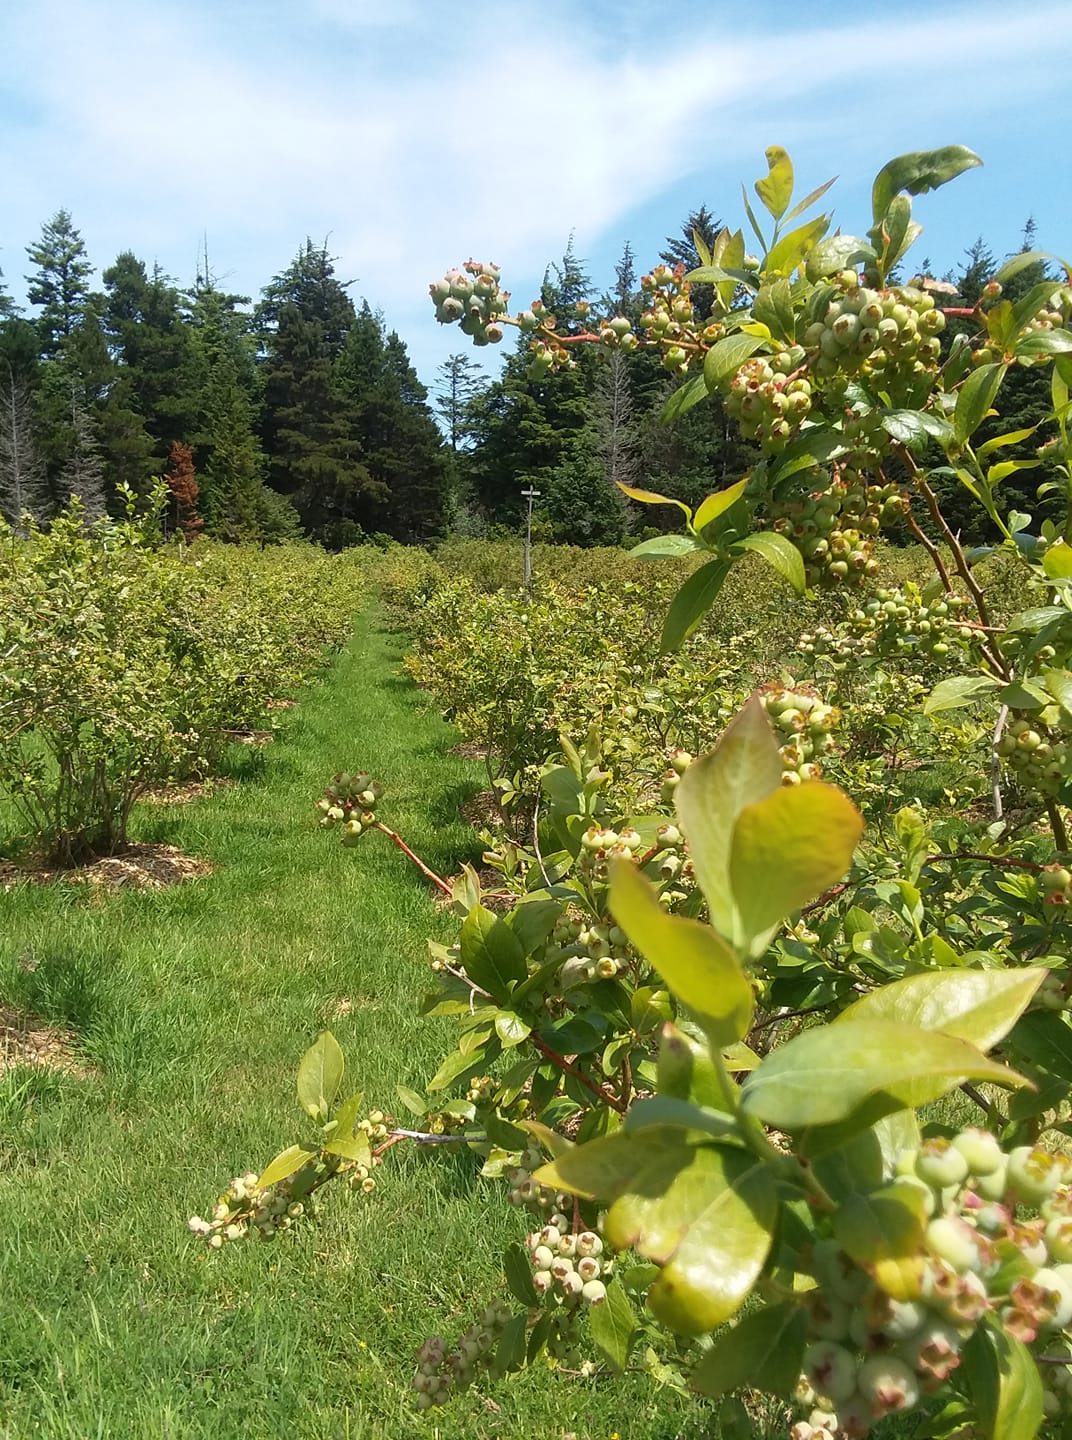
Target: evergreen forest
{"type": "Point", "coordinates": [300, 415]}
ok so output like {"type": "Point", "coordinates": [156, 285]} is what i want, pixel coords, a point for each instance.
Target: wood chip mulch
{"type": "Point", "coordinates": [27, 1042]}
{"type": "Point", "coordinates": [139, 867]}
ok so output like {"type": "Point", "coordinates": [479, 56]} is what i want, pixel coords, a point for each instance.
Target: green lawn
{"type": "Point", "coordinates": [192, 1006]}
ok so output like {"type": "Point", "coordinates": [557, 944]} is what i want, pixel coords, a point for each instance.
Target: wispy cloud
{"type": "Point", "coordinates": [415, 133]}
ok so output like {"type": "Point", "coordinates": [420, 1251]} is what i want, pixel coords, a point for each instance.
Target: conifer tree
{"type": "Point", "coordinates": [182, 483]}
{"type": "Point", "coordinates": [60, 282]}
{"type": "Point", "coordinates": [144, 325]}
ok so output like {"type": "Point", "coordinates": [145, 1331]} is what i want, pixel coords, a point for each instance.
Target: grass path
{"type": "Point", "coordinates": [193, 1006]}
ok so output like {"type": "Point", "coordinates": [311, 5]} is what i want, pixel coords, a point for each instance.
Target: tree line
{"type": "Point", "coordinates": [298, 416]}
{"type": "Point", "coordinates": [301, 415]}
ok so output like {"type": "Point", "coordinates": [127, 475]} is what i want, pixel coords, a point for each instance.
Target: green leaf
{"type": "Point", "coordinates": [980, 1006]}
{"type": "Point", "coordinates": [744, 767]}
{"type": "Point", "coordinates": [726, 356]}
{"type": "Point", "coordinates": [491, 954]}
{"type": "Point", "coordinates": [346, 1116]}
{"type": "Point", "coordinates": [518, 1272]}
{"type": "Point", "coordinates": [697, 965]}
{"type": "Point", "coordinates": [665, 1110]}
{"type": "Point", "coordinates": [1044, 1040]}
{"type": "Point", "coordinates": [918, 172]}
{"type": "Point", "coordinates": [959, 690]}
{"type": "Point", "coordinates": [649, 497]}
{"type": "Point", "coordinates": [691, 604]}
{"type": "Point", "coordinates": [355, 1148]}
{"type": "Point", "coordinates": [776, 189]}
{"type": "Point", "coordinates": [792, 249]}
{"type": "Point", "coordinates": [1044, 342]}
{"type": "Point", "coordinates": [511, 1028]}
{"type": "Point", "coordinates": [824, 1075]}
{"type": "Point", "coordinates": [975, 398]}
{"type": "Point", "coordinates": [887, 1224]}
{"type": "Point", "coordinates": [320, 1074]}
{"type": "Point", "coordinates": [1003, 1381]}
{"type": "Point", "coordinates": [704, 1213]}
{"type": "Point", "coordinates": [1057, 561]}
{"type": "Point", "coordinates": [613, 1326]}
{"type": "Point", "coordinates": [838, 252]}
{"type": "Point", "coordinates": [913, 427]}
{"type": "Point", "coordinates": [717, 504]}
{"type": "Point", "coordinates": [809, 200]}
{"type": "Point", "coordinates": [681, 400]}
{"type": "Point", "coordinates": [787, 849]}
{"type": "Point", "coordinates": [533, 920]}
{"type": "Point", "coordinates": [773, 306]}
{"type": "Point", "coordinates": [1023, 260]}
{"type": "Point", "coordinates": [414, 1103]}
{"type": "Point", "coordinates": [455, 1065]}
{"type": "Point", "coordinates": [286, 1164]}
{"type": "Point", "coordinates": [1000, 442]}
{"type": "Point", "coordinates": [763, 1351]}
{"type": "Point", "coordinates": [780, 554]}
{"type": "Point", "coordinates": [662, 545]}
{"type": "Point", "coordinates": [510, 1351]}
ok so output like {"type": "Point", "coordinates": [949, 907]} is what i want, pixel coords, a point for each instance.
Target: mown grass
{"type": "Point", "coordinates": [191, 1008]}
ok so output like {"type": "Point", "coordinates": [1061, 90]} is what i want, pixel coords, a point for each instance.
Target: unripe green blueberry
{"type": "Point", "coordinates": [939, 1163]}
{"type": "Point", "coordinates": [542, 1257]}
{"type": "Point", "coordinates": [594, 1292]}
{"type": "Point", "coordinates": [1033, 1174]}
{"type": "Point", "coordinates": [952, 1240]}
{"type": "Point", "coordinates": [1059, 1286]}
{"type": "Point", "coordinates": [888, 1384]}
{"type": "Point", "coordinates": [828, 1316]}
{"type": "Point", "coordinates": [981, 1150]}
{"type": "Point", "coordinates": [831, 1370]}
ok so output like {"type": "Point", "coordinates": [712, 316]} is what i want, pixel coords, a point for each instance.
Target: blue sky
{"type": "Point", "coordinates": [413, 134]}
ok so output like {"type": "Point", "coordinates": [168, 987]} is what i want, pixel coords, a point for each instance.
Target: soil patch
{"type": "Point", "coordinates": [139, 867]}
{"type": "Point", "coordinates": [25, 1041]}
{"type": "Point", "coordinates": [470, 750]}
{"type": "Point", "coordinates": [482, 811]}
{"type": "Point", "coordinates": [183, 792]}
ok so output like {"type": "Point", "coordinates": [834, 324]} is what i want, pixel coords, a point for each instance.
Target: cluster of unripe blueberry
{"type": "Point", "coordinates": [588, 949]}
{"type": "Point", "coordinates": [568, 1267]}
{"type": "Point", "coordinates": [889, 336]}
{"type": "Point", "coordinates": [896, 621]}
{"type": "Point", "coordinates": [1036, 750]}
{"type": "Point", "coordinates": [769, 397]}
{"type": "Point", "coordinates": [834, 528]}
{"type": "Point", "coordinates": [1054, 316]}
{"type": "Point", "coordinates": [601, 843]}
{"type": "Point", "coordinates": [472, 298]}
{"type": "Point", "coordinates": [870, 1355]}
{"type": "Point", "coordinates": [245, 1209]}
{"type": "Point", "coordinates": [350, 801]}
{"type": "Point", "coordinates": [804, 723]}
{"type": "Point", "coordinates": [527, 1192]}
{"type": "Point", "coordinates": [442, 1370]}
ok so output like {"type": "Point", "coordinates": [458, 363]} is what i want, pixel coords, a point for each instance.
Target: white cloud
{"type": "Point", "coordinates": [415, 134]}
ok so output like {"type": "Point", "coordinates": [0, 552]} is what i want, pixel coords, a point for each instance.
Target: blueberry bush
{"type": "Point", "coordinates": [783, 1082]}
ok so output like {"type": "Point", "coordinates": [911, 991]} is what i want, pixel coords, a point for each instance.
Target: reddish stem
{"type": "Point", "coordinates": [571, 1069]}
{"type": "Point", "coordinates": [421, 866]}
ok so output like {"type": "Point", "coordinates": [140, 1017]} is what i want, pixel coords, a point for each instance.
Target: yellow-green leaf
{"type": "Point", "coordinates": [980, 1006]}
{"type": "Point", "coordinates": [320, 1073]}
{"type": "Point", "coordinates": [717, 504]}
{"type": "Point", "coordinates": [776, 188]}
{"type": "Point", "coordinates": [787, 849]}
{"type": "Point", "coordinates": [824, 1075]}
{"type": "Point", "coordinates": [696, 963]}
{"type": "Point", "coordinates": [285, 1164]}
{"type": "Point", "coordinates": [743, 768]}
